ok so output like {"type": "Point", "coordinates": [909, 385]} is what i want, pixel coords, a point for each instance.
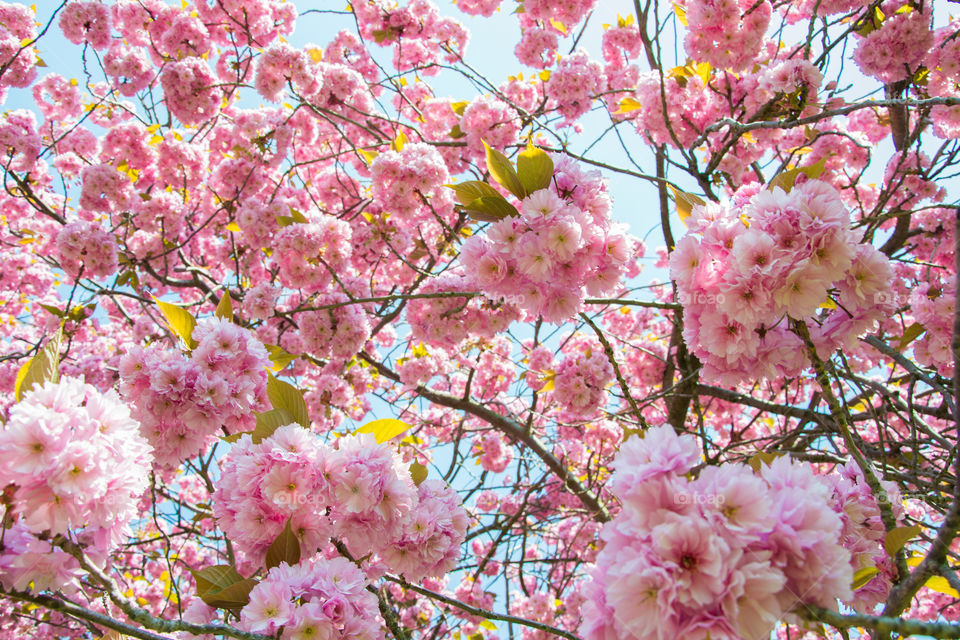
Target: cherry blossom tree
{"type": "Point", "coordinates": [317, 325]}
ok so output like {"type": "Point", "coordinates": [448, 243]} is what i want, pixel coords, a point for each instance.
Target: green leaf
{"type": "Point", "coordinates": [503, 172]}
{"type": "Point", "coordinates": [456, 132]}
{"type": "Point", "coordinates": [941, 585]}
{"type": "Point", "coordinates": [286, 548]}
{"type": "Point", "coordinates": [897, 538]}
{"type": "Point", "coordinates": [41, 368]}
{"type": "Point", "coordinates": [486, 209]}
{"type": "Point", "coordinates": [52, 309]}
{"type": "Point", "coordinates": [863, 576]}
{"type": "Point", "coordinates": [298, 217]}
{"type": "Point", "coordinates": [233, 437]}
{"type": "Point", "coordinates": [234, 597]}
{"type": "Point", "coordinates": [910, 334]}
{"type": "Point", "coordinates": [215, 578]}
{"type": "Point", "coordinates": [788, 178]}
{"type": "Point", "coordinates": [418, 472]}
{"type": "Point", "coordinates": [225, 307]}
{"type": "Point", "coordinates": [384, 429]}
{"type": "Point", "coordinates": [470, 190]}
{"type": "Point", "coordinates": [284, 395]}
{"type": "Point", "coordinates": [279, 357]}
{"type": "Point", "coordinates": [534, 168]}
{"type": "Point", "coordinates": [179, 320]}
{"type": "Point", "coordinates": [486, 624]}
{"type": "Point", "coordinates": [685, 203]}
{"type": "Point", "coordinates": [79, 314]}
{"type": "Point", "coordinates": [270, 421]}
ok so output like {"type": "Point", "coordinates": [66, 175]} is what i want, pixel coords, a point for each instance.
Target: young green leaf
{"type": "Point", "coordinates": [685, 203]}
{"type": "Point", "coordinates": [788, 178]}
{"type": "Point", "coordinates": [284, 395]}
{"type": "Point", "coordinates": [897, 538]}
{"type": "Point", "coordinates": [225, 307]}
{"type": "Point", "coordinates": [279, 357]}
{"type": "Point", "coordinates": [470, 190]}
{"type": "Point", "coordinates": [534, 168]}
{"type": "Point", "coordinates": [910, 334]}
{"type": "Point", "coordinates": [286, 548]}
{"type": "Point", "coordinates": [863, 576]}
{"type": "Point", "coordinates": [503, 172]}
{"type": "Point", "coordinates": [418, 473]}
{"type": "Point", "coordinates": [41, 368]}
{"type": "Point", "coordinates": [270, 421]}
{"type": "Point", "coordinates": [384, 429]}
{"type": "Point", "coordinates": [486, 209]}
{"type": "Point", "coordinates": [179, 320]}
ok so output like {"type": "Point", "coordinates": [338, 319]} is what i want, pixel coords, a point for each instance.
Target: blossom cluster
{"type": "Point", "coordinates": [360, 492]}
{"type": "Point", "coordinates": [183, 401]}
{"type": "Point", "coordinates": [86, 249]}
{"type": "Point", "coordinates": [728, 33]}
{"type": "Point", "coordinates": [316, 598]}
{"type": "Point", "coordinates": [726, 554]}
{"type": "Point", "coordinates": [78, 464]}
{"type": "Point", "coordinates": [561, 247]}
{"type": "Point", "coordinates": [780, 255]}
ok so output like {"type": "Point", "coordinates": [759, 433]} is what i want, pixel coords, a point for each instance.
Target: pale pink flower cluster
{"type": "Point", "coordinates": [282, 65]}
{"type": "Point", "coordinates": [420, 35]}
{"type": "Point", "coordinates": [263, 21]}
{"type": "Point", "coordinates": [943, 61]}
{"type": "Point", "coordinates": [337, 333]}
{"type": "Point", "coordinates": [724, 555]}
{"type": "Point", "coordinates": [307, 254]}
{"type": "Point", "coordinates": [863, 532]}
{"type": "Point", "coordinates": [129, 68]}
{"type": "Point", "coordinates": [493, 451]}
{"type": "Point", "coordinates": [87, 21]}
{"type": "Point", "coordinates": [183, 401]}
{"type": "Point", "coordinates": [484, 8]}
{"type": "Point", "coordinates": [105, 190]}
{"type": "Point", "coordinates": [28, 563]}
{"type": "Point", "coordinates": [401, 180]}
{"type": "Point", "coordinates": [427, 543]}
{"type": "Point", "coordinates": [895, 50]}
{"type": "Point", "coordinates": [447, 322]}
{"type": "Point", "coordinates": [87, 249]}
{"type": "Point", "coordinates": [488, 119]}
{"type": "Point", "coordinates": [19, 141]}
{"type": "Point", "coordinates": [260, 301]}
{"type": "Point", "coordinates": [690, 108]}
{"type": "Point", "coordinates": [190, 90]}
{"type": "Point", "coordinates": [581, 379]}
{"type": "Point", "coordinates": [360, 491]}
{"type": "Point", "coordinates": [574, 83]}
{"type": "Point", "coordinates": [19, 67]}
{"type": "Point", "coordinates": [932, 305]}
{"type": "Point", "coordinates": [740, 284]}
{"type": "Point", "coordinates": [78, 464]}
{"type": "Point", "coordinates": [561, 247]}
{"type": "Point", "coordinates": [317, 598]}
{"type": "Point", "coordinates": [538, 43]}
{"type": "Point", "coordinates": [567, 12]}
{"type": "Point", "coordinates": [57, 98]}
{"type": "Point", "coordinates": [726, 33]}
